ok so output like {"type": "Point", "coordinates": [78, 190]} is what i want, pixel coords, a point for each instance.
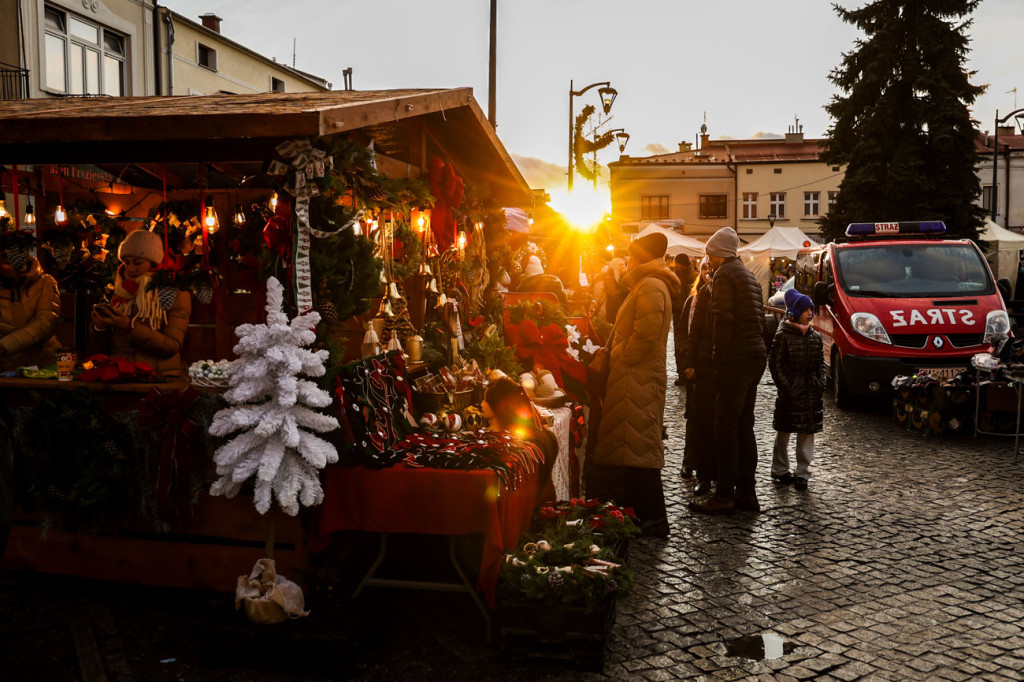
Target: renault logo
{"type": "Point", "coordinates": [937, 342]}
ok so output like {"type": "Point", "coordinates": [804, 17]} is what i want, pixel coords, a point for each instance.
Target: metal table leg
{"type": "Point", "coordinates": [465, 586]}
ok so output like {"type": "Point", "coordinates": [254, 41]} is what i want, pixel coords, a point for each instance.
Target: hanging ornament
{"type": "Point", "coordinates": [239, 215]}
{"type": "Point", "coordinates": [30, 214]}
{"type": "Point", "coordinates": [59, 216]}
{"type": "Point", "coordinates": [328, 311]}
{"type": "Point", "coordinates": [210, 216]}
{"type": "Point", "coordinates": [432, 287]}
{"type": "Point", "coordinates": [442, 301]}
{"type": "Point", "coordinates": [385, 309]}
{"type": "Point", "coordinates": [395, 344]}
{"type": "Point", "coordinates": [371, 344]}
{"type": "Point", "coordinates": [432, 251]}
{"type": "Point", "coordinates": [425, 269]}
{"type": "Point", "coordinates": [393, 290]}
{"type": "Point", "coordinates": [384, 280]}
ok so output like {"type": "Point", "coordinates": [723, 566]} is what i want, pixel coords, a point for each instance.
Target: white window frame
{"type": "Point", "coordinates": [99, 49]}
{"type": "Point", "coordinates": [812, 204]}
{"type": "Point", "coordinates": [750, 205]}
{"type": "Point", "coordinates": [777, 204]}
{"type": "Point", "coordinates": [833, 197]}
{"type": "Point", "coordinates": [213, 54]}
{"type": "Point", "coordinates": [986, 197]}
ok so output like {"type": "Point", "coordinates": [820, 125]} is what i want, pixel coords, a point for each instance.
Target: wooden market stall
{"type": "Point", "coordinates": [135, 158]}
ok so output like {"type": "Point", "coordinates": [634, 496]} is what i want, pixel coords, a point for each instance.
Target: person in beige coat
{"type": "Point", "coordinates": [629, 455]}
{"type": "Point", "coordinates": [134, 325]}
{"type": "Point", "coordinates": [29, 308]}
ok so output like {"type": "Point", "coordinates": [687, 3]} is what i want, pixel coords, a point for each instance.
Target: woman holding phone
{"type": "Point", "coordinates": [134, 325]}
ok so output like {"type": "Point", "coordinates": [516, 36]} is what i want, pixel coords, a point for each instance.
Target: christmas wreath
{"type": "Point", "coordinates": [582, 146]}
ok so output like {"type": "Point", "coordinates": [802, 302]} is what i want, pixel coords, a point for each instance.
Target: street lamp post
{"type": "Point", "coordinates": [771, 220]}
{"type": "Point", "coordinates": [995, 157]}
{"type": "Point", "coordinates": [608, 94]}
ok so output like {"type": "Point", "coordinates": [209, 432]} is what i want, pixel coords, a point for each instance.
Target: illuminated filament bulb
{"type": "Point", "coordinates": [30, 214]}
{"type": "Point", "coordinates": [59, 216]}
{"type": "Point", "coordinates": [273, 200]}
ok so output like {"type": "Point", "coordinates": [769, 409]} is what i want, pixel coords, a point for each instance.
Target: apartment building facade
{"type": "Point", "coordinates": [747, 184]}
{"type": "Point", "coordinates": [128, 48]}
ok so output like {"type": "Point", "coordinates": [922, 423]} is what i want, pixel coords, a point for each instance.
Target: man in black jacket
{"type": "Point", "coordinates": [739, 358]}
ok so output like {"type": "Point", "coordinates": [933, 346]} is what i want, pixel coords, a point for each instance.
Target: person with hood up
{"type": "Point", "coordinates": [536, 280]}
{"type": "Point", "coordinates": [29, 309]}
{"type": "Point", "coordinates": [629, 454]}
{"type": "Point", "coordinates": [738, 359]}
{"type": "Point", "coordinates": [135, 325]}
{"type": "Point", "coordinates": [797, 364]}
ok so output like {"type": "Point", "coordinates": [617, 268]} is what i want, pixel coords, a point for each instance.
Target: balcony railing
{"type": "Point", "coordinates": [13, 82]}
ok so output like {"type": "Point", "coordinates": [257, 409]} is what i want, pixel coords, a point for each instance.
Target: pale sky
{"type": "Point", "coordinates": [751, 65]}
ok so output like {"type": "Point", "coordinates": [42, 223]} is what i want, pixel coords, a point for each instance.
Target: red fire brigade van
{"type": "Point", "coordinates": [897, 298]}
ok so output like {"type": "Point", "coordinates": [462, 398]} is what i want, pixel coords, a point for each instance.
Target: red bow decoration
{"type": "Point", "coordinates": [448, 190]}
{"type": "Point", "coordinates": [278, 232]}
{"type": "Point", "coordinates": [168, 412]}
{"type": "Point", "coordinates": [113, 370]}
{"type": "Point", "coordinates": [546, 349]}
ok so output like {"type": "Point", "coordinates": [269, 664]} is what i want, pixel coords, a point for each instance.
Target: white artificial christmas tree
{"type": "Point", "coordinates": [272, 412]}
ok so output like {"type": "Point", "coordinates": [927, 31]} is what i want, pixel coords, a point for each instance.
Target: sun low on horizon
{"type": "Point", "coordinates": [584, 208]}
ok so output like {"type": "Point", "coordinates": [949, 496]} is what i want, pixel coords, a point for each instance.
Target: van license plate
{"type": "Point", "coordinates": [944, 372]}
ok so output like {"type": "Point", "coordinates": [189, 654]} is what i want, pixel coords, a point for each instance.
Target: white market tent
{"type": "Point", "coordinates": [516, 220]}
{"type": "Point", "coordinates": [1003, 250]}
{"type": "Point", "coordinates": [778, 242]}
{"type": "Point", "coordinates": [677, 243]}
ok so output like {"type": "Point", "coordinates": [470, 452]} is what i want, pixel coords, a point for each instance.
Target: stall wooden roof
{"type": "Point", "coordinates": [244, 129]}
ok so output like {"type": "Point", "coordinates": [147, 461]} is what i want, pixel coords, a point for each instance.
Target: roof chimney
{"type": "Point", "coordinates": [1005, 131]}
{"type": "Point", "coordinates": [211, 21]}
{"type": "Point", "coordinates": [685, 146]}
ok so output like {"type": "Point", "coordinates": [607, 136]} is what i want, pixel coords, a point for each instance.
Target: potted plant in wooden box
{"type": "Point", "coordinates": [557, 591]}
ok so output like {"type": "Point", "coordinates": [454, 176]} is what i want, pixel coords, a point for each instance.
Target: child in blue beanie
{"type": "Point", "coordinates": [797, 364]}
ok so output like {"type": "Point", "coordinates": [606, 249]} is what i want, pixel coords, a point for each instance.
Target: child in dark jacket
{"type": "Point", "coordinates": [797, 364]}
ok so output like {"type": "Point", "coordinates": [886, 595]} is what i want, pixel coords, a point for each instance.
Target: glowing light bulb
{"type": "Point", "coordinates": [421, 223]}
{"type": "Point", "coordinates": [273, 200]}
{"type": "Point", "coordinates": [59, 216]}
{"type": "Point", "coordinates": [356, 229]}
{"type": "Point", "coordinates": [210, 217]}
{"type": "Point", "coordinates": [30, 214]}
{"type": "Point", "coordinates": [461, 240]}
{"type": "Point", "coordinates": [239, 215]}
{"type": "Point", "coordinates": [3, 208]}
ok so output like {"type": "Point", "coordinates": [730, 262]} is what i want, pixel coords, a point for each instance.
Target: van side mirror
{"type": "Point", "coordinates": [822, 294]}
{"type": "Point", "coordinates": [1003, 284]}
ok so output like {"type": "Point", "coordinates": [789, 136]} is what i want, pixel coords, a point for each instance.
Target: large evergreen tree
{"type": "Point", "coordinates": [902, 123]}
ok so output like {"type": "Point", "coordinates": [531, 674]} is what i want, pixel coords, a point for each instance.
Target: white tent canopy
{"type": "Point", "coordinates": [677, 243]}
{"type": "Point", "coordinates": [1003, 252]}
{"type": "Point", "coordinates": [778, 242]}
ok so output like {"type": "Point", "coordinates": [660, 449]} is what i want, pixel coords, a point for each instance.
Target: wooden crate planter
{"type": "Point", "coordinates": [565, 633]}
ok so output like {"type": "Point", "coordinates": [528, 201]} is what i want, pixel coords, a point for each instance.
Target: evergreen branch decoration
{"type": "Point", "coordinates": [590, 170]}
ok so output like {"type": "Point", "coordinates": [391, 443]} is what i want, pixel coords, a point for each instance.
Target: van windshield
{"type": "Point", "coordinates": [913, 270]}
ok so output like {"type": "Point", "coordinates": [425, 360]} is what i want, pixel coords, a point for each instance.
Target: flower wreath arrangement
{"type": "Point", "coordinates": [541, 312]}
{"type": "Point", "coordinates": [564, 560]}
{"type": "Point", "coordinates": [522, 257]}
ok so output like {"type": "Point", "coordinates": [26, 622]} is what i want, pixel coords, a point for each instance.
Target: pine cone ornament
{"type": "Point", "coordinates": [166, 296]}
{"type": "Point", "coordinates": [378, 194]}
{"type": "Point", "coordinates": [110, 447]}
{"type": "Point", "coordinates": [328, 311]}
{"type": "Point", "coordinates": [203, 292]}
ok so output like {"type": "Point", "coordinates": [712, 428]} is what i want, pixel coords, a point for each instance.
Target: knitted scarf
{"type": "Point", "coordinates": [131, 298]}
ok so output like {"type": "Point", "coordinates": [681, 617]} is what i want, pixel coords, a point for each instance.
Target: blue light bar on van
{"type": "Point", "coordinates": [894, 229]}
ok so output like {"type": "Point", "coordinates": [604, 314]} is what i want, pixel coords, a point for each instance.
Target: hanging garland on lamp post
{"type": "Point", "coordinates": [582, 146]}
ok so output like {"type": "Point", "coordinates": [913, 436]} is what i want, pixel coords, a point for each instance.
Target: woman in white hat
{"type": "Point", "coordinates": [135, 324]}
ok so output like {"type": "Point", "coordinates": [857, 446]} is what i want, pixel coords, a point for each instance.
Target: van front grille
{"type": "Point", "coordinates": [908, 340]}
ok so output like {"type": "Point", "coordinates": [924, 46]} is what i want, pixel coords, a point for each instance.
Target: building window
{"type": "Point", "coordinates": [835, 169]}
{"type": "Point", "coordinates": [777, 171]}
{"type": "Point", "coordinates": [812, 201]}
{"type": "Point", "coordinates": [82, 58]}
{"type": "Point", "coordinates": [749, 205]}
{"type": "Point", "coordinates": [986, 198]}
{"type": "Point", "coordinates": [777, 204]}
{"type": "Point", "coordinates": [653, 208]}
{"type": "Point", "coordinates": [206, 56]}
{"type": "Point", "coordinates": [276, 84]}
{"type": "Point", "coordinates": [750, 171]}
{"type": "Point", "coordinates": [714, 206]}
{"type": "Point", "coordinates": [833, 196]}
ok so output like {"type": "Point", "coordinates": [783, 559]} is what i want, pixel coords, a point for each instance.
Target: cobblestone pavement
{"type": "Point", "coordinates": [904, 560]}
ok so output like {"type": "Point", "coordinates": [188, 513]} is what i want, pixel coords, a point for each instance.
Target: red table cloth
{"type": "Point", "coordinates": [403, 499]}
